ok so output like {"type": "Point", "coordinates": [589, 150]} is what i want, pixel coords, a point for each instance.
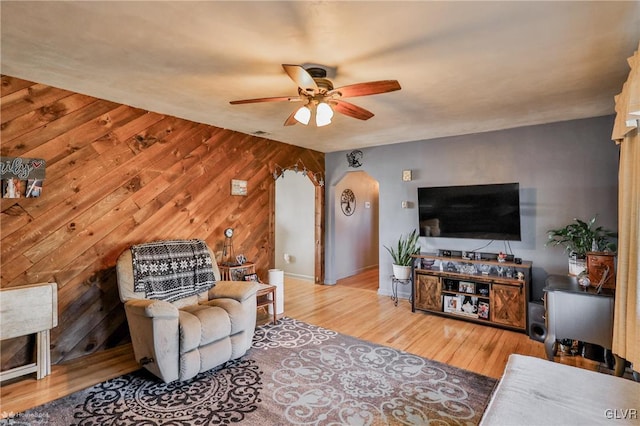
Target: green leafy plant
{"type": "Point", "coordinates": [406, 246]}
{"type": "Point", "coordinates": [580, 237]}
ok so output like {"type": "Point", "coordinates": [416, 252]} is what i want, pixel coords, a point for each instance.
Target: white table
{"type": "Point", "coordinates": [578, 314]}
{"type": "Point", "coordinates": [25, 310]}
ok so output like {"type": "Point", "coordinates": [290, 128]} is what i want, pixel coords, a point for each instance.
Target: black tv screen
{"type": "Point", "coordinates": [489, 212]}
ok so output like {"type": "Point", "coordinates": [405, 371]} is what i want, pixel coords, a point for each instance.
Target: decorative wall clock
{"type": "Point", "coordinates": [348, 202]}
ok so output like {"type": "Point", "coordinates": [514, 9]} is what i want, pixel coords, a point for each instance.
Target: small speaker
{"type": "Point", "coordinates": [518, 261]}
{"type": "Point", "coordinates": [537, 327]}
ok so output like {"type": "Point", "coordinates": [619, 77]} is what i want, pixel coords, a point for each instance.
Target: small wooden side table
{"type": "Point", "coordinates": [266, 296]}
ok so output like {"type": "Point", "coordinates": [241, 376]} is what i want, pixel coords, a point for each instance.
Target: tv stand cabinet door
{"type": "Point", "coordinates": [508, 305]}
{"type": "Point", "coordinates": [428, 289]}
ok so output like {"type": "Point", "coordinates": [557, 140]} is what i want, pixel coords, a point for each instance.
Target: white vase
{"type": "Point", "coordinates": [401, 272]}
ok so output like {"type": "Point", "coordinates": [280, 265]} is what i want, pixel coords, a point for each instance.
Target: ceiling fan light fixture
{"type": "Point", "coordinates": [303, 115]}
{"type": "Point", "coordinates": [324, 114]}
{"type": "Point", "coordinates": [321, 99]}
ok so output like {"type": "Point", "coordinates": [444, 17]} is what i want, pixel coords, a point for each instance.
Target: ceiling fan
{"type": "Point", "coordinates": [317, 93]}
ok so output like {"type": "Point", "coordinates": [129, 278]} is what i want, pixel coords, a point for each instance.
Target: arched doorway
{"type": "Point", "coordinates": [355, 230]}
{"type": "Point", "coordinates": [298, 224]}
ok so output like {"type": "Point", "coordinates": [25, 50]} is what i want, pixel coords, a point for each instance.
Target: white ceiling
{"type": "Point", "coordinates": [464, 67]}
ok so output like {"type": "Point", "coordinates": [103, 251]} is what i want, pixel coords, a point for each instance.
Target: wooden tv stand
{"type": "Point", "coordinates": [483, 291]}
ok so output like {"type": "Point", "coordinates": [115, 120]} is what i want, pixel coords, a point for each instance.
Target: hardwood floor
{"type": "Point", "coordinates": [351, 307]}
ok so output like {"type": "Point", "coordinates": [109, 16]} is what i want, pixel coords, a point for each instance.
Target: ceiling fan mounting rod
{"type": "Point", "coordinates": [317, 72]}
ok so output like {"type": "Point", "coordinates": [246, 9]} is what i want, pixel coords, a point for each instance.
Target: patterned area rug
{"type": "Point", "coordinates": [295, 374]}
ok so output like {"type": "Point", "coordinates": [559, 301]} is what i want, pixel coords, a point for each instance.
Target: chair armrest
{"type": "Point", "coordinates": [151, 308]}
{"type": "Point", "coordinates": [155, 336]}
{"type": "Point", "coordinates": [237, 290]}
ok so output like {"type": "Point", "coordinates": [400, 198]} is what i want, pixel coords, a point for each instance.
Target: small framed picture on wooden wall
{"type": "Point", "coordinates": [13, 188]}
{"type": "Point", "coordinates": [238, 187]}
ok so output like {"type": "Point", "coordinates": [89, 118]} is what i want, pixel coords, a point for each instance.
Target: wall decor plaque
{"type": "Point", "coordinates": [21, 177]}
{"type": "Point", "coordinates": [354, 158]}
{"type": "Point", "coordinates": [348, 202]}
{"type": "Point", "coordinates": [238, 187]}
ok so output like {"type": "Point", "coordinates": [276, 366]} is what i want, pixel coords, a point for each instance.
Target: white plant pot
{"type": "Point", "coordinates": [401, 272]}
{"type": "Point", "coordinates": [577, 266]}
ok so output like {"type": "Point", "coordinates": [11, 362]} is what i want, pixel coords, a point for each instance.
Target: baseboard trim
{"type": "Point", "coordinates": [300, 277]}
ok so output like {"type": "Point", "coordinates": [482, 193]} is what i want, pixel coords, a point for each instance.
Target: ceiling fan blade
{"type": "Point", "coordinates": [290, 121]}
{"type": "Point", "coordinates": [275, 99]}
{"type": "Point", "coordinates": [301, 77]}
{"type": "Point", "coordinates": [364, 89]}
{"type": "Point", "coordinates": [351, 110]}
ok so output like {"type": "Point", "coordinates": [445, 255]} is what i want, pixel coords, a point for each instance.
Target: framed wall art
{"type": "Point", "coordinates": [238, 187]}
{"type": "Point", "coordinates": [21, 177]}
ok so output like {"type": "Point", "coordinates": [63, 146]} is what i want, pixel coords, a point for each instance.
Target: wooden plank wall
{"type": "Point", "coordinates": [117, 176]}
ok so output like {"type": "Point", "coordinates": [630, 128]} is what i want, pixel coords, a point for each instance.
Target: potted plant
{"type": "Point", "coordinates": [401, 255]}
{"type": "Point", "coordinates": [579, 238]}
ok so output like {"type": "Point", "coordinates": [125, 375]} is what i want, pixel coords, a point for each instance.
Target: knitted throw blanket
{"type": "Point", "coordinates": [173, 269]}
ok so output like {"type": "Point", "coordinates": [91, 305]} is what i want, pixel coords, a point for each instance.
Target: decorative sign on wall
{"type": "Point", "coordinates": [354, 158]}
{"type": "Point", "coordinates": [348, 202]}
{"type": "Point", "coordinates": [238, 187]}
{"type": "Point", "coordinates": [21, 177]}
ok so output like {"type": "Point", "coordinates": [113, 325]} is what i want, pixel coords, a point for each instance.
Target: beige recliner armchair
{"type": "Point", "coordinates": [177, 340]}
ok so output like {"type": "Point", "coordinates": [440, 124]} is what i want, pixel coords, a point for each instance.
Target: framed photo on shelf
{"type": "Point", "coordinates": [466, 287]}
{"type": "Point", "coordinates": [452, 303]}
{"type": "Point", "coordinates": [470, 306]}
{"type": "Point", "coordinates": [483, 310]}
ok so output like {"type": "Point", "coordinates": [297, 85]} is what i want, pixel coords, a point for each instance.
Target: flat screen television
{"type": "Point", "coordinates": [489, 212]}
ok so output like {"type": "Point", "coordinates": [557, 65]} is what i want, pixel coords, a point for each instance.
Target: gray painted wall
{"type": "Point", "coordinates": [565, 170]}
